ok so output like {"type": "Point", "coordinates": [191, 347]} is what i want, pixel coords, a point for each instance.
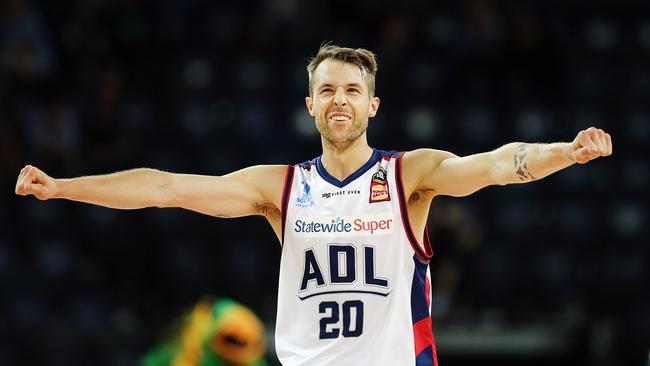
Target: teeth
{"type": "Point", "coordinates": [340, 118]}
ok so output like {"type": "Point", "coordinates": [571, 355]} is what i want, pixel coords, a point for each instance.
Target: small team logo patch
{"type": "Point", "coordinates": [305, 199]}
{"type": "Point", "coordinates": [379, 187]}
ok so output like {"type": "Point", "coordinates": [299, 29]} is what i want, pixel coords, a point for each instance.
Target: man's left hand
{"type": "Point", "coordinates": [590, 144]}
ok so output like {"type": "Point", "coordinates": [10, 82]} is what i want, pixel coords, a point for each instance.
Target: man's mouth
{"type": "Point", "coordinates": [340, 117]}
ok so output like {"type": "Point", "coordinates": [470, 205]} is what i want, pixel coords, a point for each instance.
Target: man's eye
{"type": "Point", "coordinates": [353, 90]}
{"type": "Point", "coordinates": [326, 90]}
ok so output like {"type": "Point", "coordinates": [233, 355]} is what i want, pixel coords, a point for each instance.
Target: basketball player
{"type": "Point", "coordinates": [354, 277]}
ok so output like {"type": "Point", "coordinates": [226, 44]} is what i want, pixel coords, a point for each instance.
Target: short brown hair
{"type": "Point", "coordinates": [365, 60]}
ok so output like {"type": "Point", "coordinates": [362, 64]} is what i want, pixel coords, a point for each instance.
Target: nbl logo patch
{"type": "Point", "coordinates": [379, 186]}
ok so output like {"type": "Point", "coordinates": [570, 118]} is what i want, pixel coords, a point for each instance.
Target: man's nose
{"type": "Point", "coordinates": [339, 97]}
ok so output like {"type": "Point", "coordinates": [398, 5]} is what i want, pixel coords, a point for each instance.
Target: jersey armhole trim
{"type": "Point", "coordinates": [286, 194]}
{"type": "Point", "coordinates": [423, 255]}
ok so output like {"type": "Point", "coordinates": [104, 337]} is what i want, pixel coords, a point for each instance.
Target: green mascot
{"type": "Point", "coordinates": [214, 333]}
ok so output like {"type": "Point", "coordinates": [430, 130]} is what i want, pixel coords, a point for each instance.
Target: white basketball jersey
{"type": "Point", "coordinates": [354, 283]}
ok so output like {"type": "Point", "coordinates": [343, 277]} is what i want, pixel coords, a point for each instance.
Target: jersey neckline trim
{"type": "Point", "coordinates": [374, 158]}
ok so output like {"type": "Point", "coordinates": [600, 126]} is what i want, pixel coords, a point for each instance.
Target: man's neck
{"type": "Point", "coordinates": [341, 161]}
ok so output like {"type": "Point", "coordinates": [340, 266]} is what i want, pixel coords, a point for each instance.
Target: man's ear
{"type": "Point", "coordinates": [373, 107]}
{"type": "Point", "coordinates": [310, 106]}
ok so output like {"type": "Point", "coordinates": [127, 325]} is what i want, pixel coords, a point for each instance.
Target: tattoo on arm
{"type": "Point", "coordinates": [521, 167]}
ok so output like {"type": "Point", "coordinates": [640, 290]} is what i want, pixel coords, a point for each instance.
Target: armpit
{"type": "Point", "coordinates": [421, 197]}
{"type": "Point", "coordinates": [267, 210]}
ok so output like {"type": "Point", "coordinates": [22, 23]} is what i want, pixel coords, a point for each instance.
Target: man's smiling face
{"type": "Point", "coordinates": [340, 102]}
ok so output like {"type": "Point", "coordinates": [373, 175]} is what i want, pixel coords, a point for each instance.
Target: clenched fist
{"type": "Point", "coordinates": [33, 181]}
{"type": "Point", "coordinates": [590, 144]}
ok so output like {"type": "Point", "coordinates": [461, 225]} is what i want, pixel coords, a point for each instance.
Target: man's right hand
{"type": "Point", "coordinates": [34, 181]}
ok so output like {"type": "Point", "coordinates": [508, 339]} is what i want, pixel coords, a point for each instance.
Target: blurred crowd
{"type": "Point", "coordinates": [554, 271]}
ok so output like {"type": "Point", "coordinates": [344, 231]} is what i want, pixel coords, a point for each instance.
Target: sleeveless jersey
{"type": "Point", "coordinates": [354, 282]}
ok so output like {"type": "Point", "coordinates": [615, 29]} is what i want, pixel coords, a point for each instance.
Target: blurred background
{"type": "Point", "coordinates": [549, 272]}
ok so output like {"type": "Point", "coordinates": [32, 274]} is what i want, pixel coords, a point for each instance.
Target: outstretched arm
{"type": "Point", "coordinates": [251, 191]}
{"type": "Point", "coordinates": [447, 174]}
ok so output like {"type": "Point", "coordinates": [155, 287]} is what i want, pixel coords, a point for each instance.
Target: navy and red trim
{"type": "Point", "coordinates": [286, 194]}
{"type": "Point", "coordinates": [308, 164]}
{"type": "Point", "coordinates": [424, 344]}
{"type": "Point", "coordinates": [423, 255]}
{"type": "Point", "coordinates": [387, 155]}
{"type": "Point", "coordinates": [374, 158]}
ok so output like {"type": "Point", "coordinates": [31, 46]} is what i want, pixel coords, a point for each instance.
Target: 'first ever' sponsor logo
{"type": "Point", "coordinates": [328, 226]}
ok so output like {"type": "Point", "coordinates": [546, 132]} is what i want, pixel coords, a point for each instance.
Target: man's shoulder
{"type": "Point", "coordinates": [416, 154]}
{"type": "Point", "coordinates": [388, 154]}
{"type": "Point", "coordinates": [307, 165]}
{"type": "Point", "coordinates": [420, 163]}
{"type": "Point", "coordinates": [265, 175]}
{"type": "Point", "coordinates": [425, 155]}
